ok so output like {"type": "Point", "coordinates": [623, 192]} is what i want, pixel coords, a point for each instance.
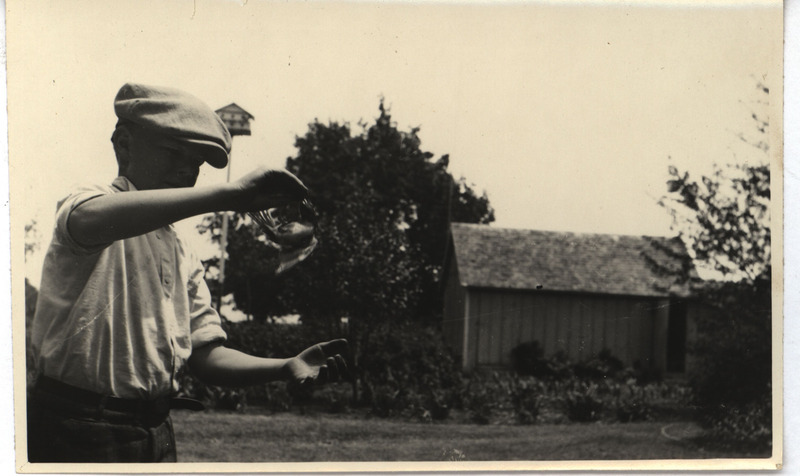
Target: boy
{"type": "Point", "coordinates": [123, 305]}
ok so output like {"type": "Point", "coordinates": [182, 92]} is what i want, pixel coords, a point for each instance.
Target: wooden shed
{"type": "Point", "coordinates": [571, 292]}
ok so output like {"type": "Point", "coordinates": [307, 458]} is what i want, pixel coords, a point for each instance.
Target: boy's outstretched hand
{"type": "Point", "coordinates": [265, 188]}
{"type": "Point", "coordinates": [320, 363]}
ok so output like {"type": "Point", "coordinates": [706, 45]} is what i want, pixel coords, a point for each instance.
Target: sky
{"type": "Point", "coordinates": [566, 114]}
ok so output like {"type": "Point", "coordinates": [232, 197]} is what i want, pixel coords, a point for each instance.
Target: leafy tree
{"type": "Point", "coordinates": [385, 206]}
{"type": "Point", "coordinates": [248, 272]}
{"type": "Point", "coordinates": [725, 220]}
{"type": "Point", "coordinates": [379, 188]}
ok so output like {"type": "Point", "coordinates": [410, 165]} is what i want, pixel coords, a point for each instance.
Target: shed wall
{"type": "Point", "coordinates": [454, 313]}
{"type": "Point", "coordinates": [579, 325]}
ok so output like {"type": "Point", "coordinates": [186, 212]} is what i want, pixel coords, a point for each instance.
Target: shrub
{"type": "Point", "coordinates": [272, 340]}
{"type": "Point", "coordinates": [481, 399]}
{"type": "Point", "coordinates": [440, 402]}
{"type": "Point", "coordinates": [276, 397]}
{"type": "Point", "coordinates": [633, 404]}
{"type": "Point", "coordinates": [527, 398]}
{"type": "Point", "coordinates": [386, 401]}
{"type": "Point", "coordinates": [645, 374]}
{"type": "Point", "coordinates": [582, 403]}
{"type": "Point", "coordinates": [405, 368]}
{"type": "Point", "coordinates": [603, 366]}
{"type": "Point", "coordinates": [731, 375]}
{"type": "Point", "coordinates": [743, 428]}
{"type": "Point", "coordinates": [528, 359]}
{"type": "Point", "coordinates": [333, 398]}
{"type": "Point", "coordinates": [219, 398]}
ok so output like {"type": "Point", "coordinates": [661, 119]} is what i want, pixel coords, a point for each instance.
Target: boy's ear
{"type": "Point", "coordinates": [122, 139]}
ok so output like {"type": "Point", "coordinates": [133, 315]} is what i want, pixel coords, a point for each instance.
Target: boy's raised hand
{"type": "Point", "coordinates": [266, 188]}
{"type": "Point", "coordinates": [320, 363]}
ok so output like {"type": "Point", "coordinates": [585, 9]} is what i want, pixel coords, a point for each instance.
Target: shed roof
{"type": "Point", "coordinates": [517, 259]}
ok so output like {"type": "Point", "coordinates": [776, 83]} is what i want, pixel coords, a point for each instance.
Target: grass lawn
{"type": "Point", "coordinates": [288, 437]}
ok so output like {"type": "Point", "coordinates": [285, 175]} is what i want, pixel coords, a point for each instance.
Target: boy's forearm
{"type": "Point", "coordinates": [123, 215]}
{"type": "Point", "coordinates": [218, 365]}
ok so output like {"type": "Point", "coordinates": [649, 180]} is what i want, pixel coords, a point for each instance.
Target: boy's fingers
{"type": "Point", "coordinates": [338, 346]}
{"type": "Point", "coordinates": [344, 369]}
{"type": "Point", "coordinates": [333, 369]}
{"type": "Point", "coordinates": [322, 376]}
{"type": "Point", "coordinates": [288, 182]}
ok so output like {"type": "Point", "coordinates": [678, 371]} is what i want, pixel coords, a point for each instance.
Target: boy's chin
{"type": "Point", "coordinates": [178, 185]}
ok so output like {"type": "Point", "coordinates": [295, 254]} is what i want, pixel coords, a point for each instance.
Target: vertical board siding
{"type": "Point", "coordinates": [454, 314]}
{"type": "Point", "coordinates": [660, 332]}
{"type": "Point", "coordinates": [484, 331]}
{"type": "Point", "coordinates": [579, 325]}
{"type": "Point", "coordinates": [562, 330]}
{"type": "Point", "coordinates": [574, 326]}
{"type": "Point", "coordinates": [526, 315]}
{"type": "Point", "coordinates": [501, 320]}
{"type": "Point", "coordinates": [538, 319]}
{"type": "Point", "coordinates": [473, 337]}
{"type": "Point", "coordinates": [548, 337]}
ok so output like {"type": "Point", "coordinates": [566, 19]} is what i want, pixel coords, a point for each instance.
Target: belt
{"type": "Point", "coordinates": [81, 396]}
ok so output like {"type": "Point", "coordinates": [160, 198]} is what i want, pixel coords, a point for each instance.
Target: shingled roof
{"type": "Point", "coordinates": [504, 258]}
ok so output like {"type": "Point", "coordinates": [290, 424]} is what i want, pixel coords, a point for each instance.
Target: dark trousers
{"type": "Point", "coordinates": [65, 429]}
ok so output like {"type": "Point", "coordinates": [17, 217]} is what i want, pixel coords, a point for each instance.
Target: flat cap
{"type": "Point", "coordinates": [176, 113]}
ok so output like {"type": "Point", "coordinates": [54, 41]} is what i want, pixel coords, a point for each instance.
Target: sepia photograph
{"type": "Point", "coordinates": [363, 236]}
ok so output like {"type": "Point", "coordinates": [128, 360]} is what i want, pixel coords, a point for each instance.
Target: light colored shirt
{"type": "Point", "coordinates": [120, 318]}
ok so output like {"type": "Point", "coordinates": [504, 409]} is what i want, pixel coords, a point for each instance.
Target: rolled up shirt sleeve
{"type": "Point", "coordinates": [205, 323]}
{"type": "Point", "coordinates": [65, 208]}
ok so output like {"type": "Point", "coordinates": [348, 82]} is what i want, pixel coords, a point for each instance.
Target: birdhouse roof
{"type": "Point", "coordinates": [235, 109]}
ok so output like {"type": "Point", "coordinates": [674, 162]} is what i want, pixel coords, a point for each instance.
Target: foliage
{"type": "Point", "coordinates": [728, 217]}
{"type": "Point", "coordinates": [741, 428]}
{"type": "Point", "coordinates": [582, 403]}
{"type": "Point", "coordinates": [407, 369]}
{"type": "Point", "coordinates": [732, 351]}
{"type": "Point", "coordinates": [725, 217]}
{"type": "Point", "coordinates": [632, 404]}
{"type": "Point", "coordinates": [527, 398]}
{"type": "Point", "coordinates": [411, 375]}
{"type": "Point", "coordinates": [409, 372]}
{"type": "Point", "coordinates": [528, 359]}
{"type": "Point", "coordinates": [33, 239]}
{"type": "Point", "coordinates": [597, 388]}
{"type": "Point", "coordinates": [725, 220]}
{"type": "Point", "coordinates": [248, 272]}
{"type": "Point", "coordinates": [482, 398]}
{"type": "Point", "coordinates": [273, 340]}
{"type": "Point", "coordinates": [603, 366]}
{"type": "Point", "coordinates": [31, 295]}
{"type": "Point", "coordinates": [384, 203]}
{"type": "Point", "coordinates": [385, 206]}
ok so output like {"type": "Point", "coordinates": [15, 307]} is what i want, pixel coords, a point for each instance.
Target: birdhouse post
{"type": "Point", "coordinates": [237, 120]}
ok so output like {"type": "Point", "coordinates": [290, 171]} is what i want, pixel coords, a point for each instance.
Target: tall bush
{"type": "Point", "coordinates": [406, 367]}
{"type": "Point", "coordinates": [725, 219]}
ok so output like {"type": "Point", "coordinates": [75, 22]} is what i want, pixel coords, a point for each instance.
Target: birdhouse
{"type": "Point", "coordinates": [236, 119]}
